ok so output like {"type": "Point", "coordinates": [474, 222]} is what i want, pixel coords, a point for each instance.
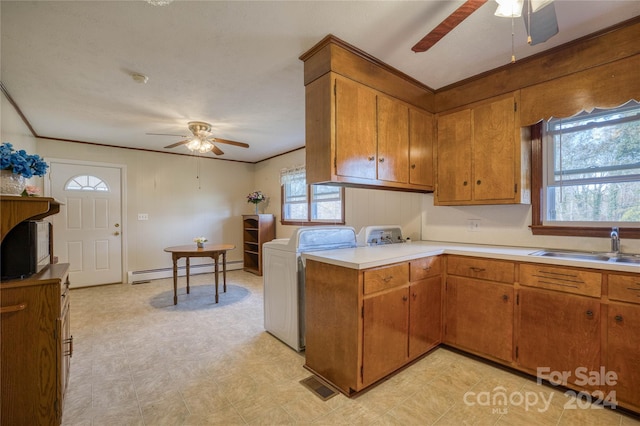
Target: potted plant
{"type": "Point", "coordinates": [256, 198]}
{"type": "Point", "coordinates": [16, 167]}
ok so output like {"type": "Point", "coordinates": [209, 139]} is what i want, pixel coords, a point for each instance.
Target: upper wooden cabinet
{"type": "Point", "coordinates": [483, 156]}
{"type": "Point", "coordinates": [367, 124]}
{"type": "Point", "coordinates": [358, 136]}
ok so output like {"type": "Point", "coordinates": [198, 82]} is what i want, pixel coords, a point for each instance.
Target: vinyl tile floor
{"type": "Point", "coordinates": [140, 360]}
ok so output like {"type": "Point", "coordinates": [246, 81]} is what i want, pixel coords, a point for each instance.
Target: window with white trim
{"type": "Point", "coordinates": [86, 183]}
{"type": "Point", "coordinates": [592, 168]}
{"type": "Point", "coordinates": [307, 204]}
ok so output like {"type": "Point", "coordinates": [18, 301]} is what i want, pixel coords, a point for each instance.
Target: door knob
{"type": "Point", "coordinates": [117, 225]}
{"type": "Point", "coordinates": [116, 233]}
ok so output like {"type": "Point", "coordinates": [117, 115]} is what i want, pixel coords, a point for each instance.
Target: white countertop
{"type": "Point", "coordinates": [374, 256]}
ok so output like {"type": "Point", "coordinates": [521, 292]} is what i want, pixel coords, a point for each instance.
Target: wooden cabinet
{"type": "Point", "coordinates": [363, 325]}
{"type": "Point", "coordinates": [558, 332]}
{"type": "Point", "coordinates": [559, 321]}
{"type": "Point", "coordinates": [356, 135]}
{"type": "Point", "coordinates": [36, 347]}
{"type": "Point", "coordinates": [479, 306]}
{"type": "Point", "coordinates": [257, 229]}
{"type": "Point", "coordinates": [18, 209]}
{"type": "Point", "coordinates": [385, 323]}
{"type": "Point", "coordinates": [623, 335]}
{"type": "Point", "coordinates": [425, 309]}
{"type": "Point", "coordinates": [421, 148]}
{"type": "Point", "coordinates": [481, 155]}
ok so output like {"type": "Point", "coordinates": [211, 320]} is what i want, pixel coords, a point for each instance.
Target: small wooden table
{"type": "Point", "coordinates": [209, 250]}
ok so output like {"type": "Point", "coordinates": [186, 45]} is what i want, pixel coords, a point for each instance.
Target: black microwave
{"type": "Point", "coordinates": [25, 250]}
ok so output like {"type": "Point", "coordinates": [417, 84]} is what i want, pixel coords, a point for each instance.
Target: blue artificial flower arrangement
{"type": "Point", "coordinates": [21, 163]}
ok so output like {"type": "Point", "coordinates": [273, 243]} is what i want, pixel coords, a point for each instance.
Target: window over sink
{"type": "Point", "coordinates": [588, 172]}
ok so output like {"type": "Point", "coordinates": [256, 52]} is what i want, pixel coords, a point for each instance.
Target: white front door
{"type": "Point", "coordinates": [87, 233]}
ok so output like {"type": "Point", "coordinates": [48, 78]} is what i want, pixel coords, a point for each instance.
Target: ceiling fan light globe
{"type": "Point", "coordinates": [205, 146]}
{"type": "Point", "coordinates": [509, 8]}
{"type": "Point", "coordinates": [194, 144]}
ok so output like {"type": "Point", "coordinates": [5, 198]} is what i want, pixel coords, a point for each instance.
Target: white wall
{"type": "Point", "coordinates": [181, 203]}
{"type": "Point", "coordinates": [14, 131]}
{"type": "Point", "coordinates": [502, 225]}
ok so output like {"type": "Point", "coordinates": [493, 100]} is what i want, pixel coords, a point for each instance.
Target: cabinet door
{"type": "Point", "coordinates": [355, 130]}
{"type": "Point", "coordinates": [494, 159]}
{"type": "Point", "coordinates": [454, 157]}
{"type": "Point", "coordinates": [479, 316]}
{"type": "Point", "coordinates": [385, 326]}
{"type": "Point", "coordinates": [393, 140]}
{"type": "Point", "coordinates": [623, 356]}
{"type": "Point", "coordinates": [421, 135]}
{"type": "Point", "coordinates": [557, 331]}
{"type": "Point", "coordinates": [425, 312]}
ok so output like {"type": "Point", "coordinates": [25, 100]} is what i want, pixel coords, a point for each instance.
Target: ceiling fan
{"type": "Point", "coordinates": [539, 17]}
{"type": "Point", "coordinates": [201, 140]}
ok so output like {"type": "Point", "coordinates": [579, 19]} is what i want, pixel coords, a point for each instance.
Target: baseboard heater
{"type": "Point", "coordinates": [139, 277]}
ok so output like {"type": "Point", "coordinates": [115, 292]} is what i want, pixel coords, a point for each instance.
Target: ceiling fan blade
{"type": "Point", "coordinates": [166, 134]}
{"type": "Point", "coordinates": [452, 21]}
{"type": "Point", "coordinates": [542, 24]}
{"type": "Point", "coordinates": [173, 145]}
{"type": "Point", "coordinates": [216, 150]}
{"type": "Point", "coordinates": [242, 144]}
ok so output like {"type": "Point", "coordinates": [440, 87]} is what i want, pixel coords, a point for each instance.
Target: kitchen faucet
{"type": "Point", "coordinates": [615, 240]}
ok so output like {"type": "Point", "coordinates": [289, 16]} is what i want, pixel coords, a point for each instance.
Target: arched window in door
{"type": "Point", "coordinates": [86, 183]}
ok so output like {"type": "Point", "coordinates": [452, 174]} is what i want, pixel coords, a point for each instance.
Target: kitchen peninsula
{"type": "Point", "coordinates": [500, 303]}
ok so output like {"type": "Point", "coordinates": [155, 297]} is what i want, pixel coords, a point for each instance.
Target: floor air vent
{"type": "Point", "coordinates": [320, 389]}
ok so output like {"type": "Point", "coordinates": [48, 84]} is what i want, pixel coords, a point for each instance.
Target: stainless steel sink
{"type": "Point", "coordinates": [589, 255]}
{"type": "Point", "coordinates": [584, 255]}
{"type": "Point", "coordinates": [626, 258]}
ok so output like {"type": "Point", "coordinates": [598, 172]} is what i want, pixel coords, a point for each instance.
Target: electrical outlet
{"type": "Point", "coordinates": [473, 225]}
{"type": "Point", "coordinates": [143, 216]}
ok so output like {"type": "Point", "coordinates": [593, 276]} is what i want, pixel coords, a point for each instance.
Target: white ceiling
{"type": "Point", "coordinates": [68, 64]}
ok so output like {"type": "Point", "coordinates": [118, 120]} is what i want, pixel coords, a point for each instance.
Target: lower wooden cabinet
{"type": "Point", "coordinates": [558, 333]}
{"type": "Point", "coordinates": [363, 325]}
{"type": "Point", "coordinates": [36, 347]}
{"type": "Point", "coordinates": [385, 325]}
{"type": "Point", "coordinates": [479, 317]}
{"type": "Point", "coordinates": [623, 337]}
{"type": "Point", "coordinates": [479, 306]}
{"type": "Point", "coordinates": [425, 315]}
{"type": "Point", "coordinates": [557, 323]}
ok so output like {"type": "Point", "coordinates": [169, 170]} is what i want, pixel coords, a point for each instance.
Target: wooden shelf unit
{"type": "Point", "coordinates": [36, 344]}
{"type": "Point", "coordinates": [257, 229]}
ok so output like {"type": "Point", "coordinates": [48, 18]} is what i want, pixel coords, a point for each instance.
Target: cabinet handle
{"type": "Point", "coordinates": [404, 298]}
{"type": "Point", "coordinates": [505, 297]}
{"type": "Point", "coordinates": [371, 158]}
{"type": "Point", "coordinates": [475, 269]}
{"type": "Point", "coordinates": [414, 296]}
{"type": "Point", "coordinates": [381, 160]}
{"type": "Point", "coordinates": [13, 308]}
{"type": "Point", "coordinates": [464, 183]}
{"type": "Point", "coordinates": [413, 166]}
{"type": "Point", "coordinates": [479, 182]}
{"type": "Point", "coordinates": [426, 268]}
{"type": "Point", "coordinates": [589, 313]}
{"type": "Point", "coordinates": [618, 318]}
{"type": "Point", "coordinates": [387, 279]}
{"type": "Point", "coordinates": [70, 351]}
